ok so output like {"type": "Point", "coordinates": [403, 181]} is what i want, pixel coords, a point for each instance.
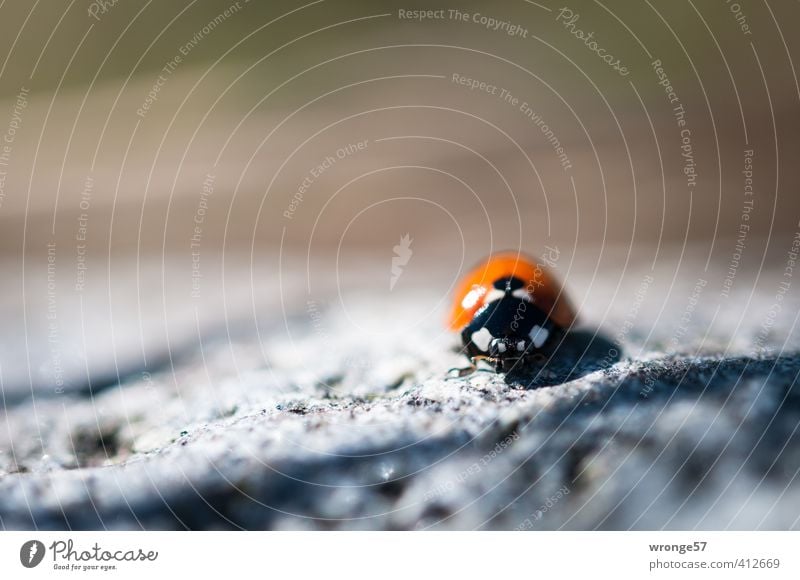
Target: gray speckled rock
{"type": "Point", "coordinates": [334, 432]}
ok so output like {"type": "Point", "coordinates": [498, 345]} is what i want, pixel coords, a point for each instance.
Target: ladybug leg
{"type": "Point", "coordinates": [473, 367]}
{"type": "Point", "coordinates": [490, 364]}
{"type": "Point", "coordinates": [457, 373]}
{"type": "Point", "coordinates": [503, 365]}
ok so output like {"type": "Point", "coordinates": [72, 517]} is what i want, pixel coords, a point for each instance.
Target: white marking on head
{"type": "Point", "coordinates": [521, 345]}
{"type": "Point", "coordinates": [539, 336]}
{"type": "Point", "coordinates": [522, 294]}
{"type": "Point", "coordinates": [494, 294]}
{"type": "Point", "coordinates": [481, 338]}
{"type": "Point", "coordinates": [501, 345]}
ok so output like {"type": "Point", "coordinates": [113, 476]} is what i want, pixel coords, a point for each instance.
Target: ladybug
{"type": "Point", "coordinates": [508, 310]}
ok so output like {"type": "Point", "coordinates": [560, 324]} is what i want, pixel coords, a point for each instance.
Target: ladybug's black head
{"type": "Point", "coordinates": [508, 327]}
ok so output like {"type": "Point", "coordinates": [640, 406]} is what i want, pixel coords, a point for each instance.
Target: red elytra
{"type": "Point", "coordinates": [540, 283]}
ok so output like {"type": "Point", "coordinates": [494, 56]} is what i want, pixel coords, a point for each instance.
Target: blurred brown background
{"type": "Point", "coordinates": [258, 105]}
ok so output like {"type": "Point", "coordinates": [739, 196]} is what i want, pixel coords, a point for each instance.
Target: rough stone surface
{"type": "Point", "coordinates": [618, 430]}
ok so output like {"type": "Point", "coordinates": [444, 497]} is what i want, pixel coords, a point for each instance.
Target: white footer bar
{"type": "Point", "coordinates": [387, 555]}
